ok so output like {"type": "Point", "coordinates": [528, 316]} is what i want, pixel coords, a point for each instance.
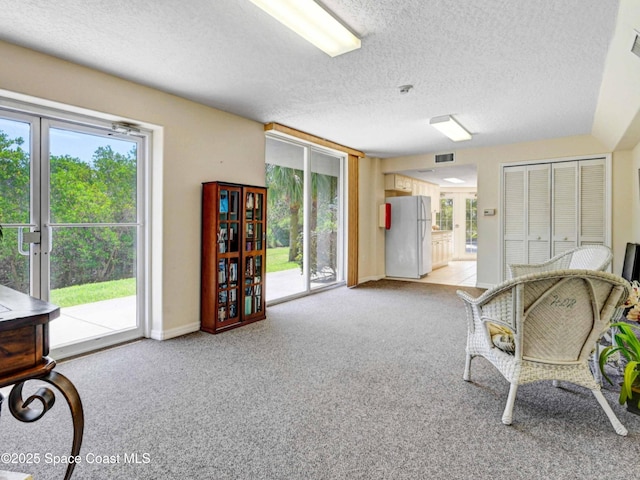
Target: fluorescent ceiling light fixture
{"type": "Point", "coordinates": [313, 23]}
{"type": "Point", "coordinates": [453, 180]}
{"type": "Point", "coordinates": [452, 129]}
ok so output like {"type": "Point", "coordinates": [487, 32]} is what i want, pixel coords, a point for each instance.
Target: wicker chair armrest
{"type": "Point", "coordinates": [520, 269]}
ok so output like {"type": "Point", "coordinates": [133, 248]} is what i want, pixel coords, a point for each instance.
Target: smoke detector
{"type": "Point", "coordinates": [404, 89]}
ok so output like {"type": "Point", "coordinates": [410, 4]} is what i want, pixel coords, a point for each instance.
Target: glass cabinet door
{"type": "Point", "coordinates": [254, 238]}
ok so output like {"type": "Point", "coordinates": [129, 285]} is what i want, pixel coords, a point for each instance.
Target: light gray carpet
{"type": "Point", "coordinates": [361, 383]}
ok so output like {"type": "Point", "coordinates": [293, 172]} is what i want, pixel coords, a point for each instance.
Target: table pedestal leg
{"type": "Point", "coordinates": [21, 411]}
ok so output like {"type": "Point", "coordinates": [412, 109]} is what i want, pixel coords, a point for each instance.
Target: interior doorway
{"type": "Point", "coordinates": [459, 213]}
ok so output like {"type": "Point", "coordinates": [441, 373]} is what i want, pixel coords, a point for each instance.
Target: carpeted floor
{"type": "Point", "coordinates": [361, 383]}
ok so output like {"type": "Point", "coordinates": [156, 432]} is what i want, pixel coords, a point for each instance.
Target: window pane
{"type": "Point", "coordinates": [323, 234]}
{"type": "Point", "coordinates": [444, 218]}
{"type": "Point", "coordinates": [93, 279]}
{"type": "Point", "coordinates": [471, 230]}
{"type": "Point", "coordinates": [15, 203]}
{"type": "Point", "coordinates": [15, 172]}
{"type": "Point", "coordinates": [285, 219]}
{"type": "Point", "coordinates": [93, 178]}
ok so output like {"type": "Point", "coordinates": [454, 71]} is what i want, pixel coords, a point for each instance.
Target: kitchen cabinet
{"type": "Point", "coordinates": [441, 248]}
{"type": "Point", "coordinates": [394, 181]}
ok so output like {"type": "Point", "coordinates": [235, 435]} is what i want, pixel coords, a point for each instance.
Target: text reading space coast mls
{"type": "Point", "coordinates": [91, 458]}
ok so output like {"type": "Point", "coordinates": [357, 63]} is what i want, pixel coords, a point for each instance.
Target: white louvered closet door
{"type": "Point", "coordinates": [592, 219]}
{"type": "Point", "coordinates": [538, 213]}
{"type": "Point", "coordinates": [552, 207]}
{"type": "Point", "coordinates": [564, 207]}
{"type": "Point", "coordinates": [514, 216]}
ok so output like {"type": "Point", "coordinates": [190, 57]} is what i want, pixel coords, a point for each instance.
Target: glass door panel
{"type": "Point", "coordinates": [16, 177]}
{"type": "Point", "coordinates": [92, 217]}
{"type": "Point", "coordinates": [324, 219]}
{"type": "Point", "coordinates": [69, 204]}
{"type": "Point", "coordinates": [285, 219]}
{"type": "Point", "coordinates": [471, 226]}
{"type": "Point", "coordinates": [305, 218]}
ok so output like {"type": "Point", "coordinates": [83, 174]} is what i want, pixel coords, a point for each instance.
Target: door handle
{"type": "Point", "coordinates": [26, 237]}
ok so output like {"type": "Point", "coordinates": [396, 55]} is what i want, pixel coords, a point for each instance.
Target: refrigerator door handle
{"type": "Point", "coordinates": [424, 219]}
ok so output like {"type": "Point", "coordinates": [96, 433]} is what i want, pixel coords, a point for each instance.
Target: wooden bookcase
{"type": "Point", "coordinates": [234, 219]}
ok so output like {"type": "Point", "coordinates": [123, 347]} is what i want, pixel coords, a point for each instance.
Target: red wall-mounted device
{"type": "Point", "coordinates": [387, 216]}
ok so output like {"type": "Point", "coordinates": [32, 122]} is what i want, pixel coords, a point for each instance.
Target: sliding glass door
{"type": "Point", "coordinates": [71, 205]}
{"type": "Point", "coordinates": [305, 218]}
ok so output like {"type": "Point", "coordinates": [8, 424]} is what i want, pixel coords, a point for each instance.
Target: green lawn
{"type": "Point", "coordinates": [93, 292]}
{"type": "Point", "coordinates": [278, 260]}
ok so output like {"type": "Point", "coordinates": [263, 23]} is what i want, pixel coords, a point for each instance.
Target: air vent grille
{"type": "Point", "coordinates": [444, 157]}
{"type": "Point", "coordinates": [636, 46]}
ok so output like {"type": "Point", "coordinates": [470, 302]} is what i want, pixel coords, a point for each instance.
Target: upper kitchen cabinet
{"type": "Point", "coordinates": [399, 183]}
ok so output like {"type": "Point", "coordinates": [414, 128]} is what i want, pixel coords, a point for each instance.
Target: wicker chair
{"type": "Point", "coordinates": [556, 319]}
{"type": "Point", "coordinates": [587, 257]}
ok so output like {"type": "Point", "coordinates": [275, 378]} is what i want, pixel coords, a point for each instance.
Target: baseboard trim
{"type": "Point", "coordinates": [373, 278]}
{"type": "Point", "coordinates": [175, 332]}
{"type": "Point", "coordinates": [485, 285]}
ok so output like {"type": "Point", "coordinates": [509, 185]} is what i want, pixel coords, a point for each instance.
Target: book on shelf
{"type": "Point", "coordinates": [222, 271]}
{"type": "Point", "coordinates": [258, 303]}
{"type": "Point", "coordinates": [233, 272]}
{"type": "Point", "coordinates": [224, 203]}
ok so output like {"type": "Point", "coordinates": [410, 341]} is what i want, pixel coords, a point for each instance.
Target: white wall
{"type": "Point", "coordinates": [488, 161]}
{"type": "Point", "coordinates": [192, 144]}
{"type": "Point", "coordinates": [617, 118]}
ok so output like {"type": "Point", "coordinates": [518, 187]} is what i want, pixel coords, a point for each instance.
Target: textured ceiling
{"type": "Point", "coordinates": [510, 71]}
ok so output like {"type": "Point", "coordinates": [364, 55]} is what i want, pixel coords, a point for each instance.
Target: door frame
{"type": "Point", "coordinates": [308, 149]}
{"type": "Point", "coordinates": [37, 116]}
{"type": "Point", "coordinates": [607, 194]}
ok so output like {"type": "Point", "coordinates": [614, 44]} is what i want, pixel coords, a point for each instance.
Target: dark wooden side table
{"type": "Point", "coordinates": [24, 346]}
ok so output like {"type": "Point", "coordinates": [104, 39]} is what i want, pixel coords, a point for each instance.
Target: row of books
{"type": "Point", "coordinates": [252, 304]}
{"type": "Point", "coordinates": [232, 273]}
{"type": "Point", "coordinates": [225, 314]}
{"type": "Point", "coordinates": [225, 296]}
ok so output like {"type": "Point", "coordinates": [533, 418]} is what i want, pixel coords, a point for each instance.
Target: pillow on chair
{"type": "Point", "coordinates": [502, 338]}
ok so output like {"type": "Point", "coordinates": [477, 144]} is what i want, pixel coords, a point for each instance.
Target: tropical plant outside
{"type": "Point", "coordinates": [284, 217]}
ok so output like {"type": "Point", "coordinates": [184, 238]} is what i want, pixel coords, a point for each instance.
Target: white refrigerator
{"type": "Point", "coordinates": [408, 240]}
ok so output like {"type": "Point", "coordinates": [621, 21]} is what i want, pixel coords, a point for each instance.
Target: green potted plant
{"type": "Point", "coordinates": [625, 341]}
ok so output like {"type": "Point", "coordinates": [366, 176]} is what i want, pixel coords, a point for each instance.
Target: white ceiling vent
{"type": "Point", "coordinates": [636, 46]}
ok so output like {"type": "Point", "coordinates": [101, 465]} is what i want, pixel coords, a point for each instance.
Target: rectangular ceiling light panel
{"type": "Point", "coordinates": [313, 23]}
{"type": "Point", "coordinates": [452, 129]}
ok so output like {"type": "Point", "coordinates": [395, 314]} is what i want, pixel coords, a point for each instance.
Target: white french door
{"type": "Point", "coordinates": [72, 210]}
{"type": "Point", "coordinates": [463, 223]}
